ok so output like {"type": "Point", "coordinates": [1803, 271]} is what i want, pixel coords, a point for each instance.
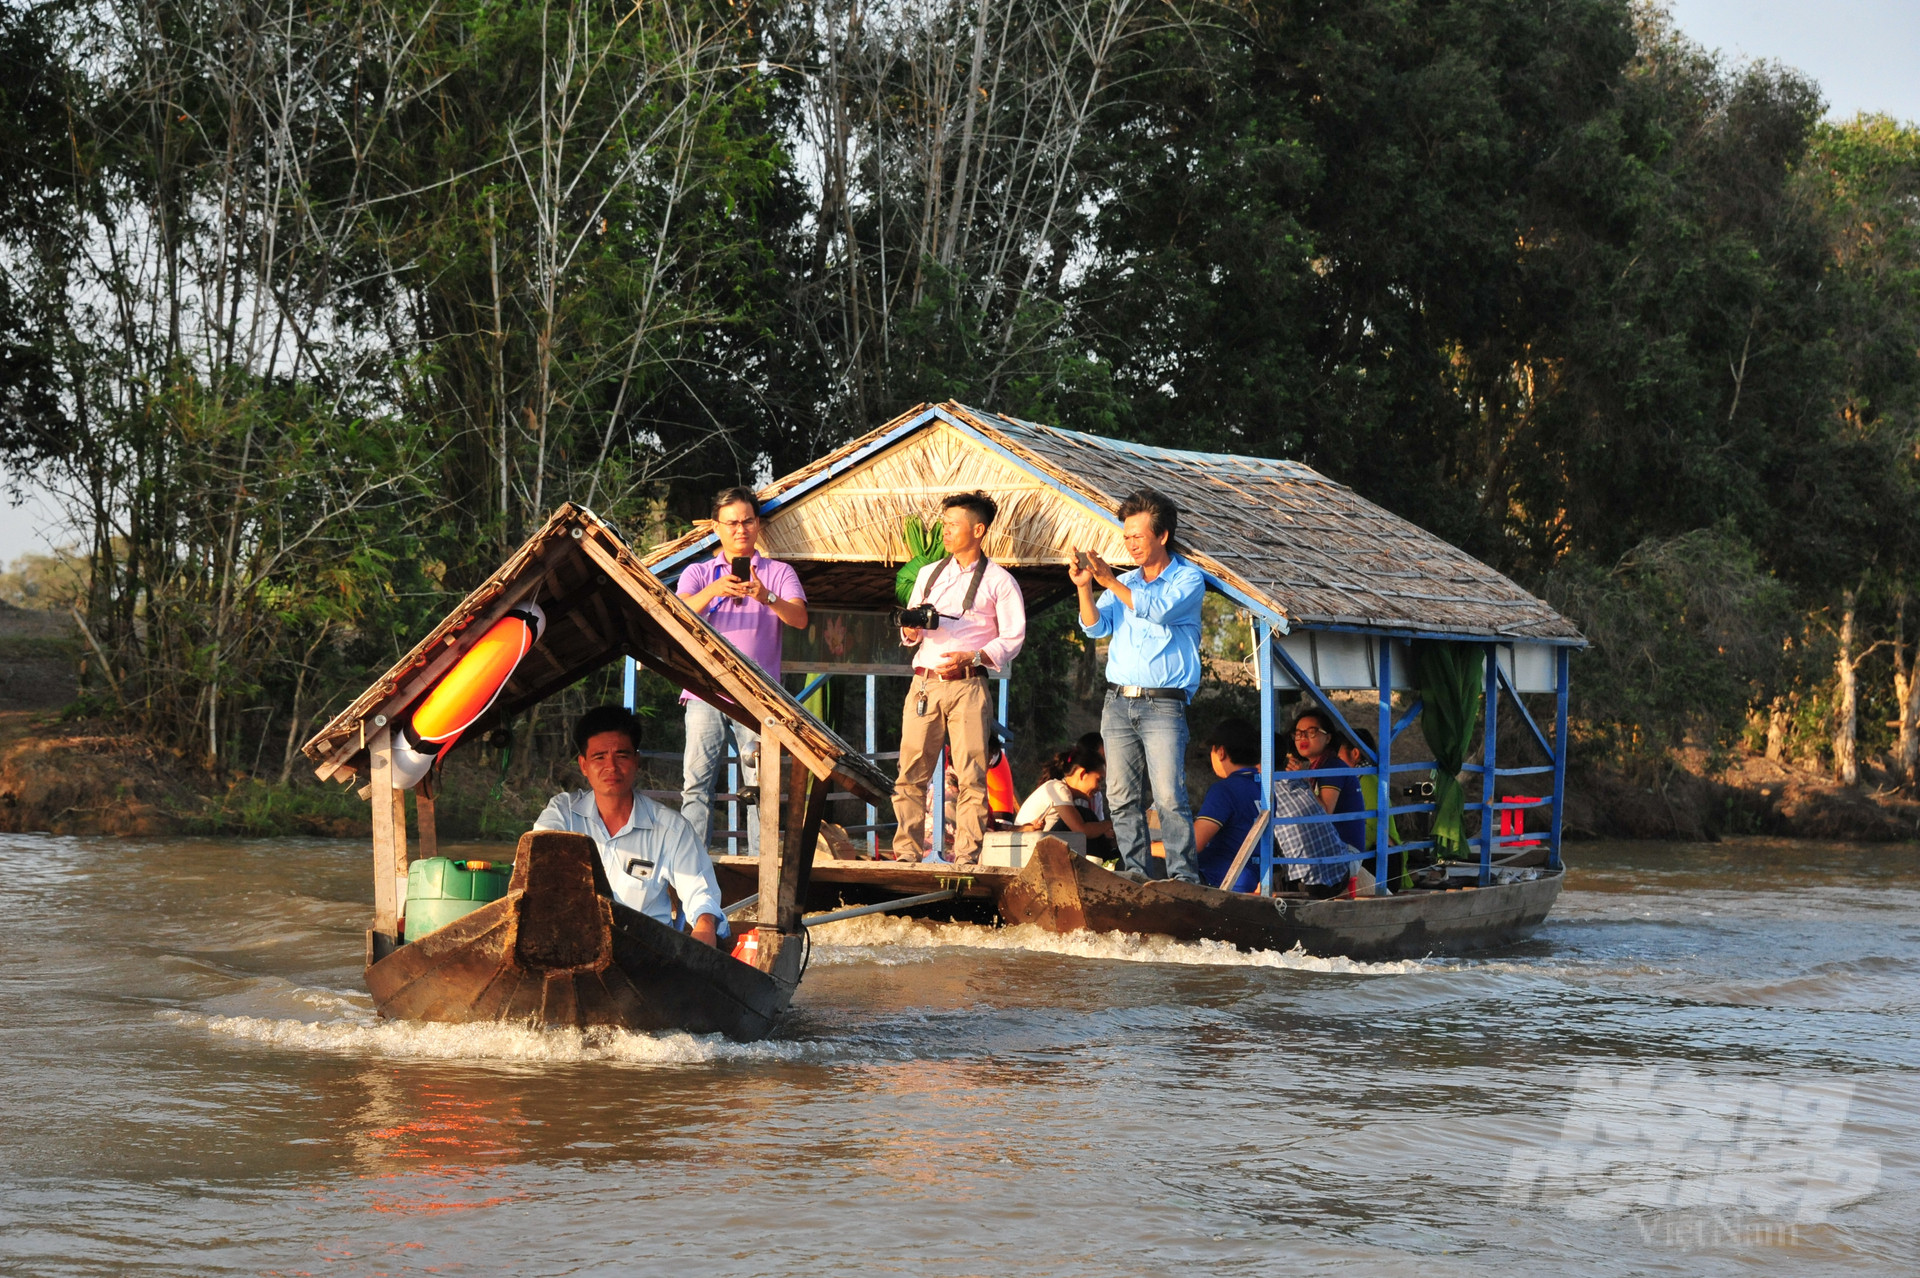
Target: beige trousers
{"type": "Point", "coordinates": [957, 716]}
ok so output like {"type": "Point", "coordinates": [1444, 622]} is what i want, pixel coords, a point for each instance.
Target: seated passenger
{"type": "Point", "coordinates": [1066, 798]}
{"type": "Point", "coordinates": [650, 847]}
{"type": "Point", "coordinates": [1232, 805]}
{"type": "Point", "coordinates": [1370, 799]}
{"type": "Point", "coordinates": [1320, 743]}
{"type": "Point", "coordinates": [1293, 798]}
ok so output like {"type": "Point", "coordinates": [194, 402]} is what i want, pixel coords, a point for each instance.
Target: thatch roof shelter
{"type": "Point", "coordinates": [600, 605]}
{"type": "Point", "coordinates": [1287, 542]}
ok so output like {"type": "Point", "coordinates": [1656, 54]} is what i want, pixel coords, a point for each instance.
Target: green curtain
{"type": "Point", "coordinates": [925, 545]}
{"type": "Point", "coordinates": [1450, 677]}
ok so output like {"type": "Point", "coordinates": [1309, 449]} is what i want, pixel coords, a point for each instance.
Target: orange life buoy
{"type": "Point", "coordinates": [1000, 796]}
{"type": "Point", "coordinates": [464, 693]}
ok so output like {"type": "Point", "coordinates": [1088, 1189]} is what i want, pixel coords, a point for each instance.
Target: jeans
{"type": "Point", "coordinates": [1146, 740]}
{"type": "Point", "coordinates": [700, 771]}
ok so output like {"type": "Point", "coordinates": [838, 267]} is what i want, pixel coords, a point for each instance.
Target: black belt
{"type": "Point", "coordinates": [1131, 691]}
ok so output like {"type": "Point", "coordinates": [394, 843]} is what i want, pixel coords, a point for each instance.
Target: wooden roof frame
{"type": "Point", "coordinates": [1392, 578]}
{"type": "Point", "coordinates": [602, 604]}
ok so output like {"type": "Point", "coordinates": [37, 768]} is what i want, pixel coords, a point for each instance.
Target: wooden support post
{"type": "Point", "coordinates": [426, 833]}
{"type": "Point", "coordinates": [386, 905]}
{"type": "Point", "coordinates": [400, 853]}
{"type": "Point", "coordinates": [786, 863]}
{"type": "Point", "coordinates": [768, 910]}
{"type": "Point", "coordinates": [806, 807]}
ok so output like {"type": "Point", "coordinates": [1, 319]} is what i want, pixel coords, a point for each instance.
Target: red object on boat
{"type": "Point", "coordinates": [1000, 796]}
{"type": "Point", "coordinates": [747, 948]}
{"type": "Point", "coordinates": [1514, 821]}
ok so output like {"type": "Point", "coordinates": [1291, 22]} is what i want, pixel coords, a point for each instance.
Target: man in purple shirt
{"type": "Point", "coordinates": [748, 612]}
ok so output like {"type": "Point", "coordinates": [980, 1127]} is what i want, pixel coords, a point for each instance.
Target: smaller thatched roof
{"type": "Point", "coordinates": [1280, 537]}
{"type": "Point", "coordinates": [600, 605]}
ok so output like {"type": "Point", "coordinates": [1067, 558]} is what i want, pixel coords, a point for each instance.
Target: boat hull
{"type": "Point", "coordinates": [1062, 892]}
{"type": "Point", "coordinates": [557, 952]}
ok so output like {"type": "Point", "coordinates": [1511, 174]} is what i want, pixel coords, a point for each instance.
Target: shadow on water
{"type": "Point", "coordinates": [1702, 1064]}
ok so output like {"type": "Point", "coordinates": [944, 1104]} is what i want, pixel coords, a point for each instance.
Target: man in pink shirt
{"type": "Point", "coordinates": [749, 613]}
{"type": "Point", "coordinates": [983, 622]}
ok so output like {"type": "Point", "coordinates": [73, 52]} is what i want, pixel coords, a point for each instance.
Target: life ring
{"type": "Point", "coordinates": [464, 693]}
{"type": "Point", "coordinates": [1000, 795]}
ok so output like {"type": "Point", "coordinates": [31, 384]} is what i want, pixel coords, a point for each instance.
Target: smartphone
{"type": "Point", "coordinates": [742, 567]}
{"type": "Point", "coordinates": [1081, 562]}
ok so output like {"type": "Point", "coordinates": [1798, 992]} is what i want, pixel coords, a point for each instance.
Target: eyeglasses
{"type": "Point", "coordinates": [737, 524]}
{"type": "Point", "coordinates": [1308, 733]}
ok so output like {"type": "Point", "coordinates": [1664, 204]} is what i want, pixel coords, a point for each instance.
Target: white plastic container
{"type": "Point", "coordinates": [1011, 848]}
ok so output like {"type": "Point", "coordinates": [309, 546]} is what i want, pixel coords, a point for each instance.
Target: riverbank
{"type": "Point", "coordinates": [85, 777]}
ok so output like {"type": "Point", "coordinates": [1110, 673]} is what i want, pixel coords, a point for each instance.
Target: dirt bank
{"type": "Point", "coordinates": [89, 783]}
{"type": "Point", "coordinates": [1754, 796]}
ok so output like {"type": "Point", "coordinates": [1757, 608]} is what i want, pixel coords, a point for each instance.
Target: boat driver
{"type": "Point", "coordinates": [650, 848]}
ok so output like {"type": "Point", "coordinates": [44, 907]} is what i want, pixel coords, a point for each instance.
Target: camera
{"type": "Point", "coordinates": [922, 618]}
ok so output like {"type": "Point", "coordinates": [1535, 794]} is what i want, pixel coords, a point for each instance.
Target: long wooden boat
{"type": "Point", "coordinates": [1060, 892]}
{"type": "Point", "coordinates": [558, 952]}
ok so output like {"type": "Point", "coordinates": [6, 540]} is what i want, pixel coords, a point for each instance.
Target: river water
{"type": "Point", "coordinates": [1704, 1064]}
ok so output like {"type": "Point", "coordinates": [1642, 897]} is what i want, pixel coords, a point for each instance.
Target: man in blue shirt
{"type": "Point", "coordinates": [1153, 666]}
{"type": "Point", "coordinates": [1232, 805]}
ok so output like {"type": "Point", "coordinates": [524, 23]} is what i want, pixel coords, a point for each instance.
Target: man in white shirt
{"type": "Point", "coordinates": [649, 847]}
{"type": "Point", "coordinates": [983, 622]}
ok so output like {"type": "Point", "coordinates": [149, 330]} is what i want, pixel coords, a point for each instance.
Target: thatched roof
{"type": "Point", "coordinates": [1280, 537]}
{"type": "Point", "coordinates": [600, 605]}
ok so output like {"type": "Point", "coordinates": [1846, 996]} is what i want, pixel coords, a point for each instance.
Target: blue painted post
{"type": "Point", "coordinates": [1383, 766]}
{"type": "Point", "coordinates": [1489, 819]}
{"type": "Point", "coordinates": [1263, 656]}
{"type": "Point", "coordinates": [1004, 685]}
{"type": "Point", "coordinates": [626, 682]}
{"type": "Point", "coordinates": [873, 813]}
{"type": "Point", "coordinates": [1562, 658]}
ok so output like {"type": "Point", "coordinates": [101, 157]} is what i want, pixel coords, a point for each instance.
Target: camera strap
{"type": "Point", "coordinates": [973, 587]}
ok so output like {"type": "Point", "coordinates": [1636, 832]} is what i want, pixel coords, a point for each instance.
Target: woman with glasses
{"type": "Point", "coordinates": [748, 611]}
{"type": "Point", "coordinates": [1318, 742]}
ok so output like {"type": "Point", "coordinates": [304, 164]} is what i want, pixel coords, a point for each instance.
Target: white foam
{"type": "Point", "coordinates": [871, 937]}
{"type": "Point", "coordinates": [421, 1040]}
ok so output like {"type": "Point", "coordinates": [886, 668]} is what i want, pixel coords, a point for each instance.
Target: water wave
{"type": "Point", "coordinates": [887, 939]}
{"type": "Point", "coordinates": [423, 1040]}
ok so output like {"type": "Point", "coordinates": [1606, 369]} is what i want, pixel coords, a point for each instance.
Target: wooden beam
{"type": "Point", "coordinates": [400, 852]}
{"type": "Point", "coordinates": [767, 912]}
{"type": "Point", "coordinates": [426, 834]}
{"type": "Point", "coordinates": [386, 911]}
{"type": "Point", "coordinates": [806, 805]}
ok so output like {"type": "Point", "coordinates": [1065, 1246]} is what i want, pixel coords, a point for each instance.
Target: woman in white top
{"type": "Point", "coordinates": [1066, 796]}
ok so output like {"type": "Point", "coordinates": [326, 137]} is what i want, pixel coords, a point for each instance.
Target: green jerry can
{"type": "Point", "coordinates": [440, 890]}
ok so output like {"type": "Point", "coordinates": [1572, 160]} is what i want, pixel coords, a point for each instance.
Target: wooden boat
{"type": "Point", "coordinates": [558, 951]}
{"type": "Point", "coordinates": [1060, 892]}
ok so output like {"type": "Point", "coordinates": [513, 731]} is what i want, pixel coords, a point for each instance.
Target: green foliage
{"type": "Point", "coordinates": [1687, 633]}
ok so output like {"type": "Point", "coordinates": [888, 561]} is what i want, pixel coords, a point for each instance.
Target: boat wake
{"type": "Point", "coordinates": [364, 1034]}
{"type": "Point", "coordinates": [886, 940]}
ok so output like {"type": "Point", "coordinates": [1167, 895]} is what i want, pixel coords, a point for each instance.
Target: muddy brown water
{"type": "Point", "coordinates": [1704, 1064]}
